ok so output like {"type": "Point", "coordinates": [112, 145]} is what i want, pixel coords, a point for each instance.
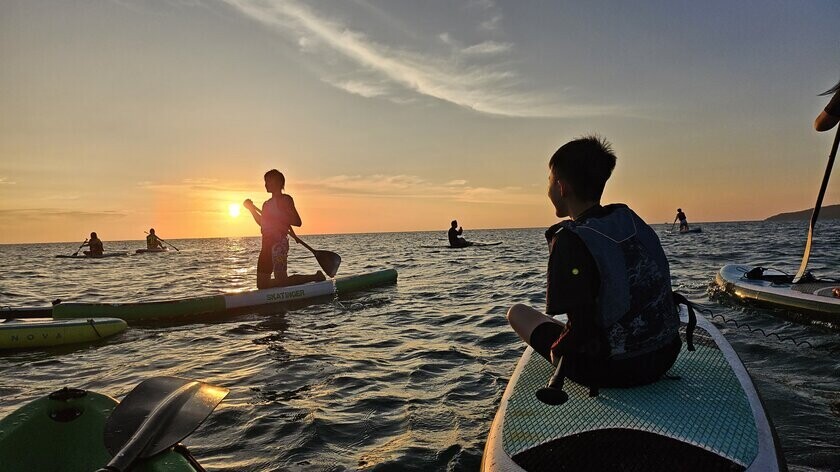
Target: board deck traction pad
{"type": "Point", "coordinates": [815, 299]}
{"type": "Point", "coordinates": [711, 406]}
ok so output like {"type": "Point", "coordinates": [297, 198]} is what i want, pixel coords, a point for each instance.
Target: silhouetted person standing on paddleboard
{"type": "Point", "coordinates": [153, 243]}
{"type": "Point", "coordinates": [608, 273]}
{"type": "Point", "coordinates": [683, 220]}
{"type": "Point", "coordinates": [276, 219]}
{"type": "Point", "coordinates": [454, 236]}
{"type": "Point", "coordinates": [95, 245]}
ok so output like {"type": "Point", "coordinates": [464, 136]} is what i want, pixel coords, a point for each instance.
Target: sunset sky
{"type": "Point", "coordinates": [395, 115]}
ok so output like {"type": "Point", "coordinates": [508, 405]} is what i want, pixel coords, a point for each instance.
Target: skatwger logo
{"type": "Point", "coordinates": [284, 295]}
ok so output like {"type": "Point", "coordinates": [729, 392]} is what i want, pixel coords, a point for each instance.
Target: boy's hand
{"type": "Point", "coordinates": [248, 204]}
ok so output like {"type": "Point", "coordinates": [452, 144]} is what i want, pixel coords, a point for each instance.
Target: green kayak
{"type": "Point", "coordinates": [63, 432]}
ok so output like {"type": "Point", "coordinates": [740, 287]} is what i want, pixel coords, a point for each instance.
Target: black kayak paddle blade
{"type": "Point", "coordinates": [329, 261]}
{"type": "Point", "coordinates": [176, 407]}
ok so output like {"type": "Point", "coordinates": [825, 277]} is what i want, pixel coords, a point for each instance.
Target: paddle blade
{"type": "Point", "coordinates": [329, 261]}
{"type": "Point", "coordinates": [177, 413]}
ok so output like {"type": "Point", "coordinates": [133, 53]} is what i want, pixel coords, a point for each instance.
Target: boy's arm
{"type": "Point", "coordinates": [571, 289]}
{"type": "Point", "coordinates": [255, 212]}
{"type": "Point", "coordinates": [294, 217]}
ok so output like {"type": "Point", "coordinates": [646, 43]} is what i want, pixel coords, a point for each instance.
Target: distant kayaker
{"type": "Point", "coordinates": [153, 243]}
{"type": "Point", "coordinates": [608, 273]}
{"type": "Point", "coordinates": [276, 219]}
{"type": "Point", "coordinates": [95, 245]}
{"type": "Point", "coordinates": [683, 220]}
{"type": "Point", "coordinates": [829, 117]}
{"type": "Point", "coordinates": [454, 236]}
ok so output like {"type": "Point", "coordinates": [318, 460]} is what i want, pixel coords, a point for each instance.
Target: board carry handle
{"type": "Point", "coordinates": [552, 393]}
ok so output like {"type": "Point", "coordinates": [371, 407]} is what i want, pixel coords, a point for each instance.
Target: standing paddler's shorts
{"type": "Point", "coordinates": [274, 256]}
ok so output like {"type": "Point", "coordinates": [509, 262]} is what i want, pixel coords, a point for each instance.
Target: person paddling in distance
{"type": "Point", "coordinates": [153, 243]}
{"type": "Point", "coordinates": [683, 220]}
{"type": "Point", "coordinates": [95, 245]}
{"type": "Point", "coordinates": [276, 219]}
{"type": "Point", "coordinates": [454, 236]}
{"type": "Point", "coordinates": [608, 273]}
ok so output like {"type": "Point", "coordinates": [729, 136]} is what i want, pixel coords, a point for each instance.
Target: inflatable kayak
{"type": "Point", "coordinates": [26, 334]}
{"type": "Point", "coordinates": [175, 309]}
{"type": "Point", "coordinates": [85, 256]}
{"type": "Point", "coordinates": [709, 419]}
{"type": "Point", "coordinates": [813, 298]}
{"type": "Point", "coordinates": [150, 251]}
{"type": "Point", "coordinates": [63, 432]}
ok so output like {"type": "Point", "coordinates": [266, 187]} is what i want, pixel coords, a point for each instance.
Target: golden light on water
{"type": "Point", "coordinates": [233, 209]}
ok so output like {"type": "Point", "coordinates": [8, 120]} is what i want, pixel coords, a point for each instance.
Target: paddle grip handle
{"type": "Point", "coordinates": [552, 393]}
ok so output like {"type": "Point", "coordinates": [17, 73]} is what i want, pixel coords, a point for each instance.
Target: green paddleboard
{"type": "Point", "coordinates": [63, 432]}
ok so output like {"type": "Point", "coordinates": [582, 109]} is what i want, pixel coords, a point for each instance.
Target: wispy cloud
{"type": "Point", "coordinates": [49, 213]}
{"type": "Point", "coordinates": [398, 186]}
{"type": "Point", "coordinates": [359, 87]}
{"type": "Point", "coordinates": [488, 47]}
{"type": "Point", "coordinates": [492, 24]}
{"type": "Point", "coordinates": [493, 88]}
{"type": "Point", "coordinates": [415, 187]}
{"type": "Point", "coordinates": [6, 181]}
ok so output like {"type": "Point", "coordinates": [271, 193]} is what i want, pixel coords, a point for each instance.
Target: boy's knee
{"type": "Point", "coordinates": [515, 311]}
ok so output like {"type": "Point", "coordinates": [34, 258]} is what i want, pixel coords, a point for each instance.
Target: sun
{"type": "Point", "coordinates": [233, 209]}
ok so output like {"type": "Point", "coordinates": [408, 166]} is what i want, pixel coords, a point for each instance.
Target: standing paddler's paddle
{"type": "Point", "coordinates": [801, 272]}
{"type": "Point", "coordinates": [329, 261]}
{"type": "Point", "coordinates": [165, 242]}
{"type": "Point", "coordinates": [155, 416]}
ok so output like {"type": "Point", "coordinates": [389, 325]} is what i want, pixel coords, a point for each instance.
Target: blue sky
{"type": "Point", "coordinates": [124, 114]}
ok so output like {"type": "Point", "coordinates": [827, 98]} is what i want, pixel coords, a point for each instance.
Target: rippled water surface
{"type": "Point", "coordinates": [406, 377]}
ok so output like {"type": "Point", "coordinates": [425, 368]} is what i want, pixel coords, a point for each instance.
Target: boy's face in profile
{"type": "Point", "coordinates": [557, 193]}
{"type": "Point", "coordinates": [272, 185]}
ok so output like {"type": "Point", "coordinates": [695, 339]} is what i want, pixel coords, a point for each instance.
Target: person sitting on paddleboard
{"type": "Point", "coordinates": [454, 236]}
{"type": "Point", "coordinates": [608, 273]}
{"type": "Point", "coordinates": [276, 219]}
{"type": "Point", "coordinates": [683, 220]}
{"type": "Point", "coordinates": [95, 245]}
{"type": "Point", "coordinates": [829, 117]}
{"type": "Point", "coordinates": [152, 241]}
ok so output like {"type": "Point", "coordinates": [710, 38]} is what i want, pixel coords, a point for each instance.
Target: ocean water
{"type": "Point", "coordinates": [405, 377]}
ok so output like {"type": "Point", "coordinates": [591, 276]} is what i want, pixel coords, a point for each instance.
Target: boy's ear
{"type": "Point", "coordinates": [563, 188]}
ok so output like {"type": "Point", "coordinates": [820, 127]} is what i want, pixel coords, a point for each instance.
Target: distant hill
{"type": "Point", "coordinates": [826, 213]}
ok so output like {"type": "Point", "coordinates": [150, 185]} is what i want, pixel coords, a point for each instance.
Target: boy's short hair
{"type": "Point", "coordinates": [276, 174]}
{"type": "Point", "coordinates": [585, 163]}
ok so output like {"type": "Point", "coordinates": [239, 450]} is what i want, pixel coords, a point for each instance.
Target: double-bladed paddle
{"type": "Point", "coordinates": [155, 416]}
{"type": "Point", "coordinates": [80, 248]}
{"type": "Point", "coordinates": [328, 260]}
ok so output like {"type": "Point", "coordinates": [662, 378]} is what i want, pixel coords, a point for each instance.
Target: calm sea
{"type": "Point", "coordinates": [406, 377]}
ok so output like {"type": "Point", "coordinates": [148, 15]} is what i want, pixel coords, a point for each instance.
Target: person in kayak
{"type": "Point", "coordinates": [276, 219]}
{"type": "Point", "coordinates": [608, 273]}
{"type": "Point", "coordinates": [153, 243]}
{"type": "Point", "coordinates": [683, 220]}
{"type": "Point", "coordinates": [455, 239]}
{"type": "Point", "coordinates": [830, 116]}
{"type": "Point", "coordinates": [95, 245]}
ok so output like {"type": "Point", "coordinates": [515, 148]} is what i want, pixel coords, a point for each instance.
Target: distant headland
{"type": "Point", "coordinates": [826, 213]}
